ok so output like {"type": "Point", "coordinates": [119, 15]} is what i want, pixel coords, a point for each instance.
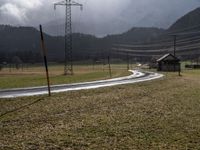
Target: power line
{"type": "Point", "coordinates": [157, 47]}
{"type": "Point", "coordinates": [180, 48]}
{"type": "Point", "coordinates": [185, 33]}
{"type": "Point", "coordinates": [184, 53]}
{"type": "Point", "coordinates": [168, 43]}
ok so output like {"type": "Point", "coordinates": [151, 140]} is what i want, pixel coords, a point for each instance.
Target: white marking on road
{"type": "Point", "coordinates": [136, 77]}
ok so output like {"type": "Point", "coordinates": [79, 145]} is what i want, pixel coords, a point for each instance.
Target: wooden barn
{"type": "Point", "coordinates": [168, 62]}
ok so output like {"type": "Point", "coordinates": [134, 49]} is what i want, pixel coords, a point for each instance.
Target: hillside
{"type": "Point", "coordinates": [18, 38]}
{"type": "Point", "coordinates": [136, 34]}
{"type": "Point", "coordinates": [190, 21]}
{"type": "Point", "coordinates": [25, 43]}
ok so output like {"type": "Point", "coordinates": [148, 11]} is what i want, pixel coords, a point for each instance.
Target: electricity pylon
{"type": "Point", "coordinates": [68, 69]}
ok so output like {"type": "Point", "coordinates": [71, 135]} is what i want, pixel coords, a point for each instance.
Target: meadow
{"type": "Point", "coordinates": [159, 114]}
{"type": "Point", "coordinates": [35, 75]}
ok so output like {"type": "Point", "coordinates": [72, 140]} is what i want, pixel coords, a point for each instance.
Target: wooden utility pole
{"type": "Point", "coordinates": [175, 45]}
{"type": "Point", "coordinates": [175, 49]}
{"type": "Point", "coordinates": [103, 62]}
{"type": "Point", "coordinates": [110, 72]}
{"type": "Point", "coordinates": [128, 63]}
{"type": "Point", "coordinates": [45, 59]}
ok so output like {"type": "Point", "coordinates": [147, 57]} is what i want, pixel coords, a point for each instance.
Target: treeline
{"type": "Point", "coordinates": [24, 42]}
{"type": "Point", "coordinates": [22, 56]}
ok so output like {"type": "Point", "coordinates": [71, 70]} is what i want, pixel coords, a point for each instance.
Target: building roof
{"type": "Point", "coordinates": [168, 57]}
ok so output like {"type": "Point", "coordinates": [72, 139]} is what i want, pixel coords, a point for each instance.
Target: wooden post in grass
{"type": "Point", "coordinates": [103, 63]}
{"type": "Point", "coordinates": [93, 64]}
{"type": "Point", "coordinates": [45, 59]}
{"type": "Point", "coordinates": [10, 67]}
{"type": "Point", "coordinates": [109, 66]}
{"type": "Point", "coordinates": [174, 48]}
{"type": "Point", "coordinates": [128, 63]}
{"type": "Point", "coordinates": [179, 70]}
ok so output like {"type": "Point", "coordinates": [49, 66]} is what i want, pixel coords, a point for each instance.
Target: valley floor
{"type": "Point", "coordinates": [159, 114]}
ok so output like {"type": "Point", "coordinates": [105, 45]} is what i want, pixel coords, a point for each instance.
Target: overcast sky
{"type": "Point", "coordinates": [34, 12]}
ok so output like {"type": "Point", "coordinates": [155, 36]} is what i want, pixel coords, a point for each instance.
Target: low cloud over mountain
{"type": "Point", "coordinates": [98, 17]}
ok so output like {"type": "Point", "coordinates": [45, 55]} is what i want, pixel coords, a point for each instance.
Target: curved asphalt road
{"type": "Point", "coordinates": [137, 76]}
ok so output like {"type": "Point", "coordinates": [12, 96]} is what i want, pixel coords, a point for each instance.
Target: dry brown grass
{"type": "Point", "coordinates": [35, 76]}
{"type": "Point", "coordinates": [160, 114]}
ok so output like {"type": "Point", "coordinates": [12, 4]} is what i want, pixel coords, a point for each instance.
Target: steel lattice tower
{"type": "Point", "coordinates": [68, 69]}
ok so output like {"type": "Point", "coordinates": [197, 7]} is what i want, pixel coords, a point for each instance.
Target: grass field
{"type": "Point", "coordinates": [35, 75]}
{"type": "Point", "coordinates": [160, 114]}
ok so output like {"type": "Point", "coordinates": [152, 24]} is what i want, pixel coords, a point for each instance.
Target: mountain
{"type": "Point", "coordinates": [97, 28]}
{"type": "Point", "coordinates": [25, 42]}
{"type": "Point", "coordinates": [190, 21]}
{"type": "Point", "coordinates": [18, 38]}
{"type": "Point", "coordinates": [136, 34]}
{"type": "Point", "coordinates": [120, 16]}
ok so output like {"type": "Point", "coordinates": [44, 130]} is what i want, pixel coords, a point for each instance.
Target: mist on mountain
{"type": "Point", "coordinates": [98, 17]}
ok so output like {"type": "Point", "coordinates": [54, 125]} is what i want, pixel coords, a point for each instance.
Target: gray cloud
{"type": "Point", "coordinates": [130, 12]}
{"type": "Point", "coordinates": [17, 11]}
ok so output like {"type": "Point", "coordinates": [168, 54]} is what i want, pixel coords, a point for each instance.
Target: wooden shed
{"type": "Point", "coordinates": [168, 62]}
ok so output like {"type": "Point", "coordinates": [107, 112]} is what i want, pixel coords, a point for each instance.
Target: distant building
{"type": "Point", "coordinates": [168, 62]}
{"type": "Point", "coordinates": [193, 66]}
